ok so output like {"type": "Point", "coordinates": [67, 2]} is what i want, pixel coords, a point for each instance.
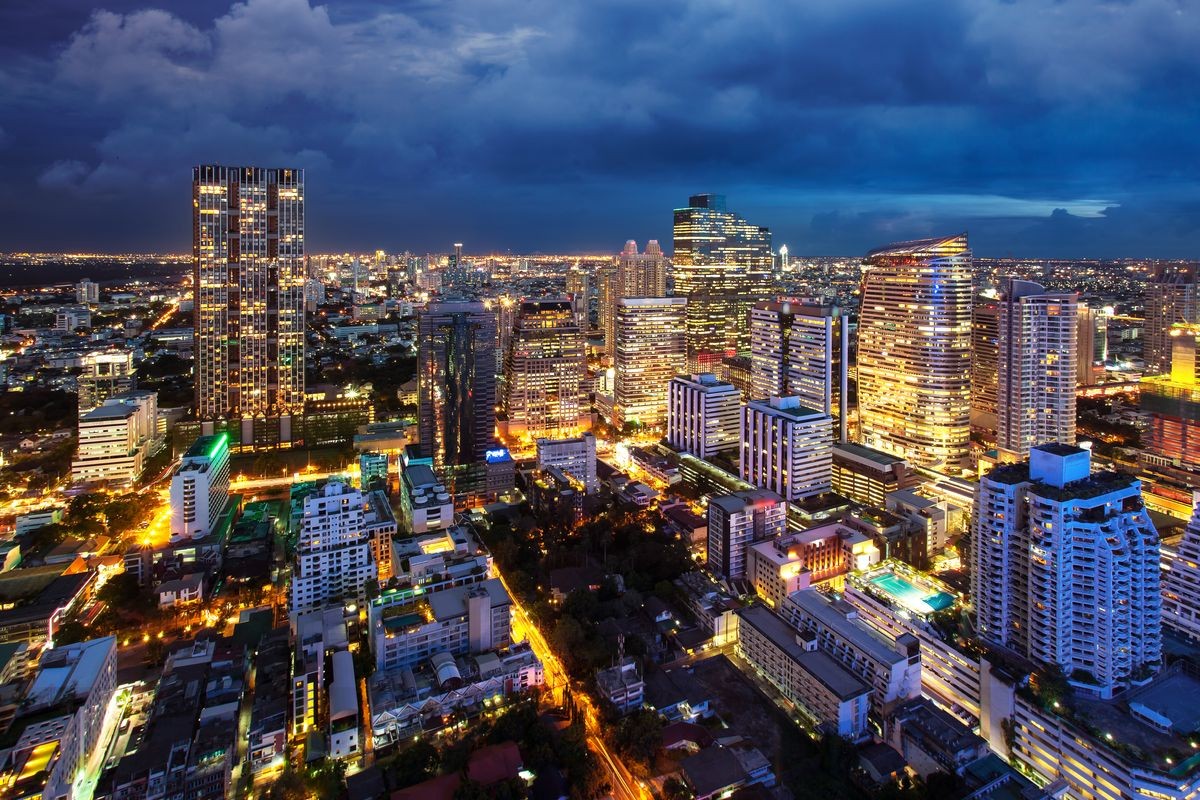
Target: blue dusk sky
{"type": "Point", "coordinates": [1054, 128]}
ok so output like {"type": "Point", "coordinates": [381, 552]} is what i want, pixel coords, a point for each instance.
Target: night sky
{"type": "Point", "coordinates": [1045, 128]}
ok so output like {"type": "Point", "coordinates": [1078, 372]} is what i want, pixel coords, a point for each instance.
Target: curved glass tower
{"type": "Point", "coordinates": [914, 351]}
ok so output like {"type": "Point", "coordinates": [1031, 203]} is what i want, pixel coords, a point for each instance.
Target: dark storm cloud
{"type": "Point", "coordinates": [1047, 127]}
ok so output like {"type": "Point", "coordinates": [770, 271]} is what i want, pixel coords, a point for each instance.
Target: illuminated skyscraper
{"type": "Point", "coordinates": [914, 351]}
{"type": "Point", "coordinates": [1065, 567]}
{"type": "Point", "coordinates": [985, 366]}
{"type": "Point", "coordinates": [544, 369]}
{"type": "Point", "coordinates": [635, 275]}
{"type": "Point", "coordinates": [1171, 405]}
{"type": "Point", "coordinates": [704, 415]}
{"type": "Point", "coordinates": [578, 286]}
{"type": "Point", "coordinates": [800, 349]}
{"type": "Point", "coordinates": [1172, 298]}
{"type": "Point", "coordinates": [1037, 370]}
{"type": "Point", "coordinates": [1092, 341]}
{"type": "Point", "coordinates": [723, 265]}
{"type": "Point", "coordinates": [456, 382]}
{"type": "Point", "coordinates": [248, 273]}
{"type": "Point", "coordinates": [651, 350]}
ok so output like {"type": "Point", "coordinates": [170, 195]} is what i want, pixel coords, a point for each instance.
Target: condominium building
{"type": "Point", "coordinates": [1065, 568]}
{"type": "Point", "coordinates": [462, 620]}
{"type": "Point", "coordinates": [116, 438]}
{"type": "Point", "coordinates": [87, 292]}
{"type": "Point", "coordinates": [723, 265]}
{"type": "Point", "coordinates": [914, 351]}
{"type": "Point", "coordinates": [248, 277]}
{"type": "Point", "coordinates": [635, 275]}
{"type": "Point", "coordinates": [985, 366]}
{"type": "Point", "coordinates": [70, 318]}
{"type": "Point", "coordinates": [736, 521]}
{"type": "Point", "coordinates": [823, 689]}
{"type": "Point", "coordinates": [1172, 298]}
{"type": "Point", "coordinates": [200, 488]}
{"type": "Point", "coordinates": [578, 285]}
{"type": "Point", "coordinates": [544, 393]}
{"type": "Point", "coordinates": [333, 560]}
{"type": "Point", "coordinates": [1037, 369]}
{"type": "Point", "coordinates": [787, 448]}
{"type": "Point", "coordinates": [800, 349]}
{"type": "Point", "coordinates": [575, 457]}
{"type": "Point", "coordinates": [703, 415]}
{"type": "Point", "coordinates": [1092, 341]}
{"type": "Point", "coordinates": [1181, 579]}
{"type": "Point", "coordinates": [424, 501]}
{"type": "Point", "coordinates": [1170, 404]}
{"type": "Point", "coordinates": [651, 350]}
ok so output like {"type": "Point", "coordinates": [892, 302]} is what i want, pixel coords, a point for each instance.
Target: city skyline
{"type": "Point", "coordinates": [1070, 150]}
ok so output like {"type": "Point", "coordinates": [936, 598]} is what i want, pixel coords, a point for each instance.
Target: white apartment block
{"type": "Point", "coordinates": [71, 317]}
{"type": "Point", "coordinates": [891, 667]}
{"type": "Point", "coordinates": [424, 501]}
{"type": "Point", "coordinates": [576, 456]}
{"type": "Point", "coordinates": [823, 689]}
{"type": "Point", "coordinates": [703, 415]}
{"type": "Point", "coordinates": [200, 488]}
{"type": "Point", "coordinates": [736, 521]}
{"type": "Point", "coordinates": [787, 448]}
{"type": "Point", "coordinates": [115, 438]}
{"type": "Point", "coordinates": [1037, 367]}
{"type": "Point", "coordinates": [1065, 568]}
{"type": "Point", "coordinates": [333, 560]}
{"type": "Point", "coordinates": [461, 620]}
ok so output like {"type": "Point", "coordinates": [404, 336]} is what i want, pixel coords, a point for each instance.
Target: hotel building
{"type": "Point", "coordinates": [333, 560]}
{"type": "Point", "coordinates": [736, 521]}
{"type": "Point", "coordinates": [787, 448]}
{"type": "Point", "coordinates": [635, 275]}
{"type": "Point", "coordinates": [200, 488]}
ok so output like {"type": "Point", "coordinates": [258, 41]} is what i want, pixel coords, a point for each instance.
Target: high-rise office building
{"type": "Point", "coordinates": [787, 448]}
{"type": "Point", "coordinates": [914, 351]}
{"type": "Point", "coordinates": [458, 270]}
{"type": "Point", "coordinates": [1092, 342]}
{"type": "Point", "coordinates": [1037, 370]}
{"type": "Point", "coordinates": [801, 349]}
{"type": "Point", "coordinates": [506, 319]}
{"type": "Point", "coordinates": [635, 275]}
{"type": "Point", "coordinates": [544, 395]}
{"type": "Point", "coordinates": [1172, 298]}
{"type": "Point", "coordinates": [985, 366]}
{"type": "Point", "coordinates": [105, 373]}
{"type": "Point", "coordinates": [651, 350]}
{"type": "Point", "coordinates": [1065, 567]}
{"type": "Point", "coordinates": [248, 278]}
{"type": "Point", "coordinates": [1171, 406]}
{"type": "Point", "coordinates": [704, 415]}
{"type": "Point", "coordinates": [738, 520]}
{"type": "Point", "coordinates": [723, 265]}
{"type": "Point", "coordinates": [456, 382]}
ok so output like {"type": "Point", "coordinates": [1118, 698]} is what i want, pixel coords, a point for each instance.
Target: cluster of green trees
{"type": "Point", "coordinates": [90, 515]}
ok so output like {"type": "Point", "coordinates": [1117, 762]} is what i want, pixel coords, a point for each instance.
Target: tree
{"type": "Point", "coordinates": [675, 789]}
{"type": "Point", "coordinates": [288, 786]}
{"type": "Point", "coordinates": [638, 737]}
{"type": "Point", "coordinates": [416, 763]}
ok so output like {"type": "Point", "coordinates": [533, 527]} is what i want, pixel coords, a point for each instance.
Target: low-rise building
{"type": "Point", "coordinates": [622, 685]}
{"type": "Point", "coordinates": [777, 567]}
{"type": "Point", "coordinates": [424, 501]}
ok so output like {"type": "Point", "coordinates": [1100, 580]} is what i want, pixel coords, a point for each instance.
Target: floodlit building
{"type": "Point", "coordinates": [797, 560]}
{"type": "Point", "coordinates": [248, 269]}
{"type": "Point", "coordinates": [1092, 341]}
{"type": "Point", "coordinates": [1172, 298]}
{"type": "Point", "coordinates": [424, 501]}
{"type": "Point", "coordinates": [116, 438]}
{"type": "Point", "coordinates": [867, 476]}
{"type": "Point", "coordinates": [723, 265]}
{"type": "Point", "coordinates": [200, 488]}
{"type": "Point", "coordinates": [104, 374]}
{"type": "Point", "coordinates": [1170, 404]}
{"type": "Point", "coordinates": [914, 351]}
{"type": "Point", "coordinates": [544, 393]}
{"type": "Point", "coordinates": [1181, 580]}
{"type": "Point", "coordinates": [69, 318]}
{"type": "Point", "coordinates": [1065, 568]}
{"type": "Point", "coordinates": [800, 349]}
{"type": "Point", "coordinates": [787, 448]}
{"type": "Point", "coordinates": [703, 415]}
{"type": "Point", "coordinates": [1037, 369]}
{"type": "Point", "coordinates": [651, 349]}
{"type": "Point", "coordinates": [985, 366]}
{"type": "Point", "coordinates": [736, 521]}
{"type": "Point", "coordinates": [87, 292]}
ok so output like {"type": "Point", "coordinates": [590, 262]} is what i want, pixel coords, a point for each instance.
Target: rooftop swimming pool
{"type": "Point", "coordinates": [910, 596]}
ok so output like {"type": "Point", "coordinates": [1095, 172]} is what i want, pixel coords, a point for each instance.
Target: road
{"type": "Point", "coordinates": [242, 484]}
{"type": "Point", "coordinates": [624, 785]}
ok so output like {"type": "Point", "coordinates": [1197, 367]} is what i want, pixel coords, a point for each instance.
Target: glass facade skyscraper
{"type": "Point", "coordinates": [723, 265]}
{"type": "Point", "coordinates": [544, 370]}
{"type": "Point", "coordinates": [914, 351]}
{"type": "Point", "coordinates": [1172, 298]}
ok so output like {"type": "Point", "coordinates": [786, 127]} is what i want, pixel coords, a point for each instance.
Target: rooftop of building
{"type": "Point", "coordinates": [739, 501]}
{"type": "Point", "coordinates": [841, 618]}
{"type": "Point", "coordinates": [920, 718]}
{"type": "Point", "coordinates": [108, 413]}
{"type": "Point", "coordinates": [208, 446]}
{"type": "Point", "coordinates": [832, 675]}
{"type": "Point", "coordinates": [711, 770]}
{"type": "Point", "coordinates": [923, 247]}
{"type": "Point", "coordinates": [451, 603]}
{"type": "Point", "coordinates": [788, 406]}
{"type": "Point", "coordinates": [867, 453]}
{"type": "Point", "coordinates": [70, 671]}
{"type": "Point", "coordinates": [620, 677]}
